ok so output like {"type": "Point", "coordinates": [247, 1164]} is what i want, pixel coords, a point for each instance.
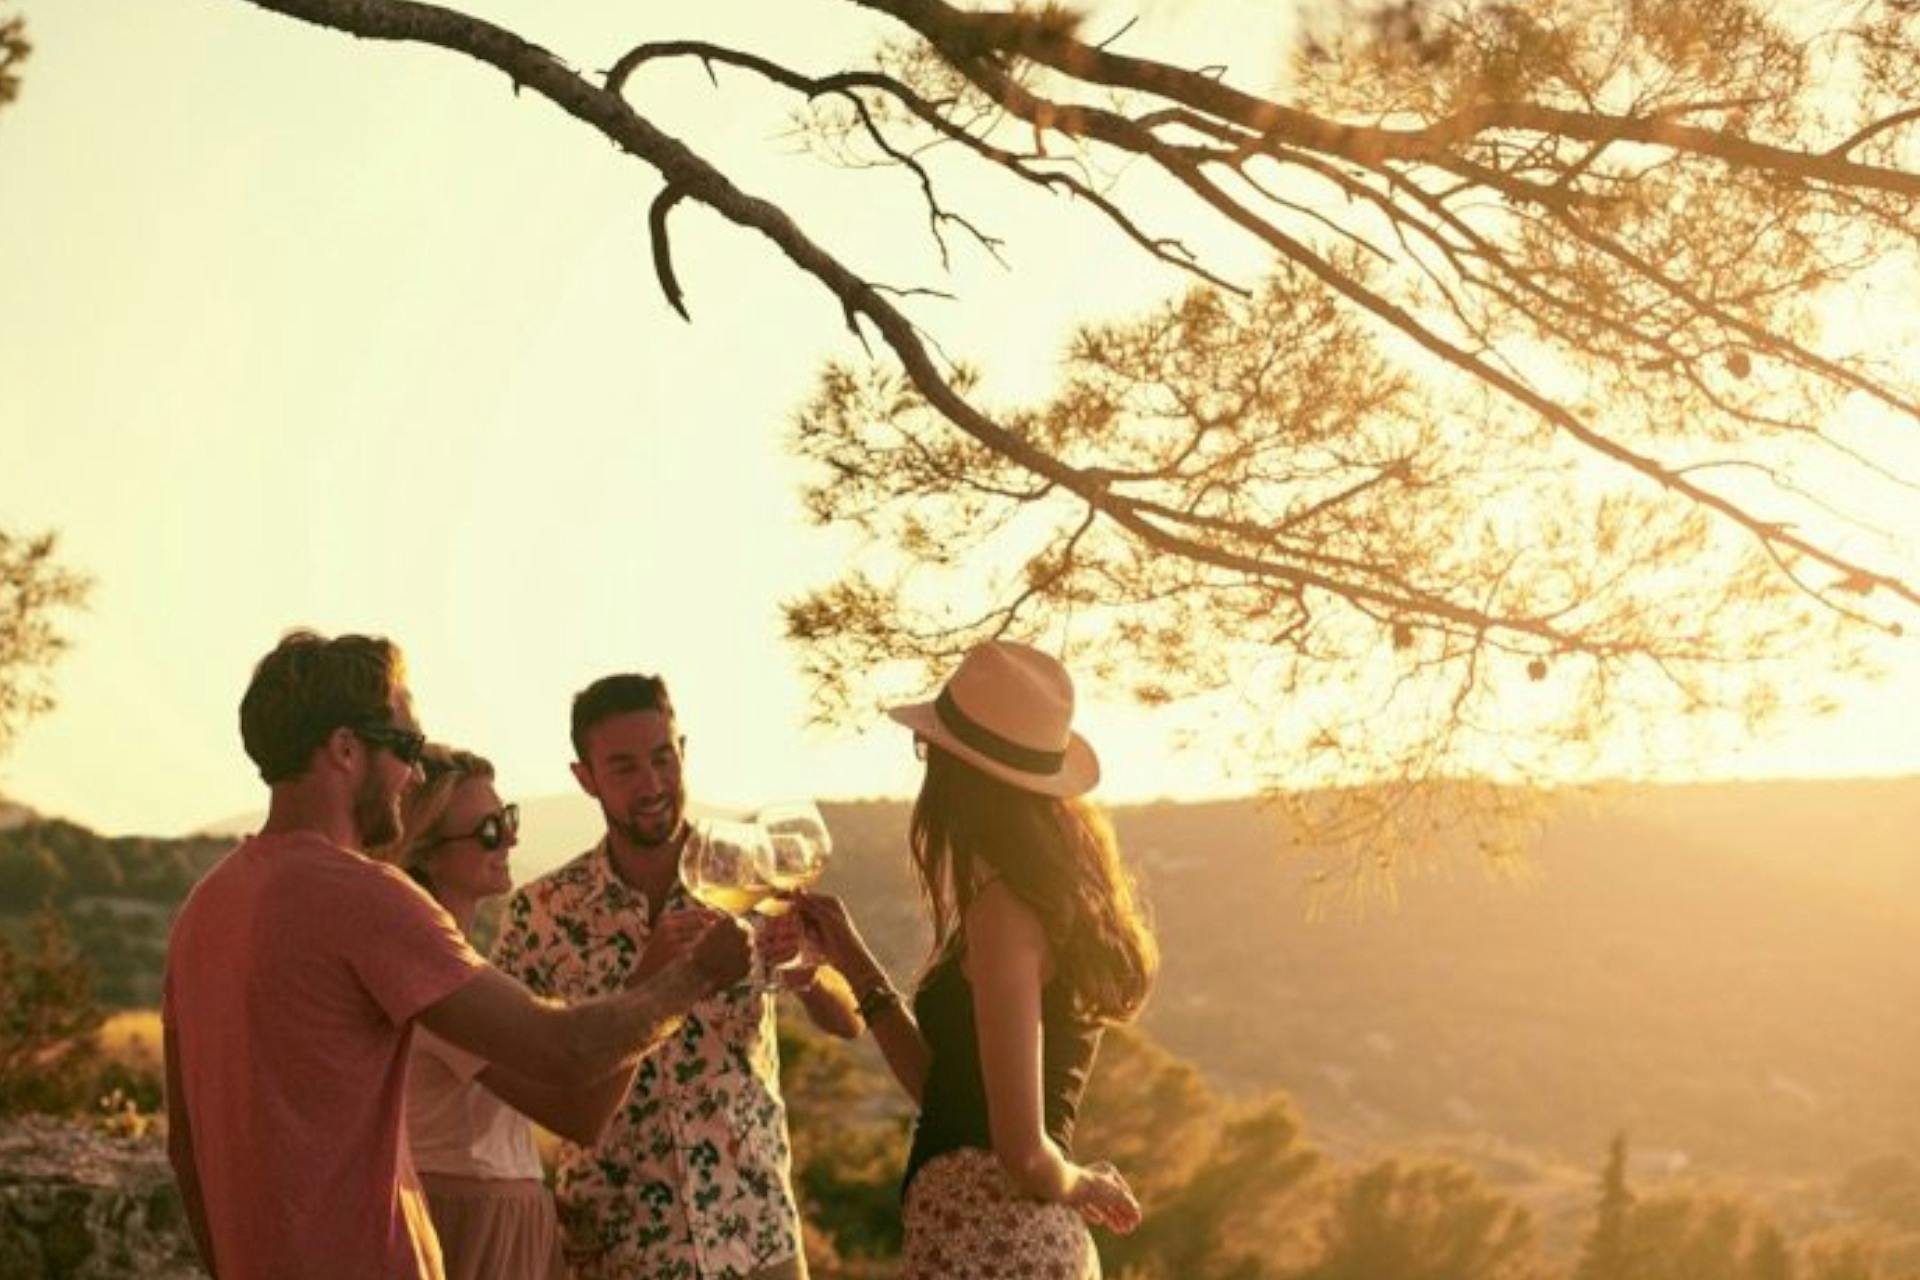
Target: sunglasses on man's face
{"type": "Point", "coordinates": [406, 745]}
{"type": "Point", "coordinates": [494, 830]}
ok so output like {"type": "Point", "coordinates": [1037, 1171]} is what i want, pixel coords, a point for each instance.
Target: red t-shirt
{"type": "Point", "coordinates": [294, 971]}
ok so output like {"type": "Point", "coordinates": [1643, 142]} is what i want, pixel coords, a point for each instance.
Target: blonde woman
{"type": "Point", "coordinates": [1037, 942]}
{"type": "Point", "coordinates": [467, 1124]}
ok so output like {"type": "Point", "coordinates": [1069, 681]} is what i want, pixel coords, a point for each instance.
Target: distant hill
{"type": "Point", "coordinates": [1728, 972]}
{"type": "Point", "coordinates": [117, 895]}
{"type": "Point", "coordinates": [14, 815]}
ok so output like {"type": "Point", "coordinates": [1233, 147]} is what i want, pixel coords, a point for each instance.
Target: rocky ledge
{"type": "Point", "coordinates": [80, 1203]}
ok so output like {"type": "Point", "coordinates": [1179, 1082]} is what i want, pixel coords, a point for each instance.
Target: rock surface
{"type": "Point", "coordinates": [79, 1203]}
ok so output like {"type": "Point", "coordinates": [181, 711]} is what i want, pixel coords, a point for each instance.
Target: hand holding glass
{"type": "Point", "coordinates": [739, 867]}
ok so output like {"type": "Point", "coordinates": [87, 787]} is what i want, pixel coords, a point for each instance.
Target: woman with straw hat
{"type": "Point", "coordinates": [1037, 943]}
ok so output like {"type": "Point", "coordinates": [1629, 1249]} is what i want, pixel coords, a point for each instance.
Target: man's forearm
{"type": "Point", "coordinates": [606, 1034]}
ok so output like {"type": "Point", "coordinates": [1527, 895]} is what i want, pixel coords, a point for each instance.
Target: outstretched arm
{"type": "Point", "coordinates": [564, 1045]}
{"type": "Point", "coordinates": [832, 932]}
{"type": "Point", "coordinates": [580, 1111]}
{"type": "Point", "coordinates": [580, 1114]}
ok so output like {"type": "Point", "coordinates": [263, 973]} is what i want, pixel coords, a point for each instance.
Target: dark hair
{"type": "Point", "coordinates": [610, 696]}
{"type": "Point", "coordinates": [1057, 856]}
{"type": "Point", "coordinates": [307, 687]}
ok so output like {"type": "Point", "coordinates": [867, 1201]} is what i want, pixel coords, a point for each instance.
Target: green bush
{"type": "Point", "coordinates": [50, 1059]}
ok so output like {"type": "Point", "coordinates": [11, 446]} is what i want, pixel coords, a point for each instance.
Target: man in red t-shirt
{"type": "Point", "coordinates": [295, 972]}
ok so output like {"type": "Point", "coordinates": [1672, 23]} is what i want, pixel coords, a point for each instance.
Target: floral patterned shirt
{"type": "Point", "coordinates": [691, 1180]}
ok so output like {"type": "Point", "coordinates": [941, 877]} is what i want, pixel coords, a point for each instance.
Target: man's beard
{"type": "Point", "coordinates": [376, 815]}
{"type": "Point", "coordinates": [644, 837]}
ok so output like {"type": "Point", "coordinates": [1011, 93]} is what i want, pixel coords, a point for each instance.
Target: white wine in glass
{"type": "Point", "coordinates": [799, 844]}
{"type": "Point", "coordinates": [725, 865]}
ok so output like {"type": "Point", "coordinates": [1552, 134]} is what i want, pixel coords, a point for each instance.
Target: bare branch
{"type": "Point", "coordinates": [967, 35]}
{"type": "Point", "coordinates": [1607, 255]}
{"type": "Point", "coordinates": [663, 251]}
{"type": "Point", "coordinates": [1875, 129]}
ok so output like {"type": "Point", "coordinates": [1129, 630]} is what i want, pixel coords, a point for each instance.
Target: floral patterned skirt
{"type": "Point", "coordinates": [965, 1221]}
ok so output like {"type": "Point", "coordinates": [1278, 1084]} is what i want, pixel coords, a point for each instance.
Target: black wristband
{"type": "Point", "coordinates": [876, 1002]}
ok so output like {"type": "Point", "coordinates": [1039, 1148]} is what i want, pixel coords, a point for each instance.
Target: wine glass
{"type": "Point", "coordinates": [726, 864]}
{"type": "Point", "coordinates": [800, 844]}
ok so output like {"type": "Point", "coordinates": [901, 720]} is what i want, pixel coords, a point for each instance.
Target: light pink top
{"type": "Point", "coordinates": [455, 1124]}
{"type": "Point", "coordinates": [294, 971]}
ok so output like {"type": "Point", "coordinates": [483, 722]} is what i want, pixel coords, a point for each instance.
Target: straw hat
{"type": "Point", "coordinates": [1008, 711]}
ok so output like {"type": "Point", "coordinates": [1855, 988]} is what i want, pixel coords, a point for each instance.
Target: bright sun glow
{"type": "Point", "coordinates": [381, 350]}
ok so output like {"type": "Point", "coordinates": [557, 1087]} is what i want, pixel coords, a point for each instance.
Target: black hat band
{"type": "Point", "coordinates": [990, 744]}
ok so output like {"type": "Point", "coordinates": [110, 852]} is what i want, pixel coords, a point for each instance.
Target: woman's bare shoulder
{"type": "Point", "coordinates": [1000, 927]}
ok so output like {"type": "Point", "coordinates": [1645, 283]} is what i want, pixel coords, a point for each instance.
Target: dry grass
{"type": "Point", "coordinates": [132, 1037]}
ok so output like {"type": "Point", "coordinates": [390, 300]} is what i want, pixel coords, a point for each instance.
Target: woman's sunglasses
{"type": "Point", "coordinates": [494, 830]}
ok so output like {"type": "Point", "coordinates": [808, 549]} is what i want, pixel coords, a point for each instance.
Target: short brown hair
{"type": "Point", "coordinates": [610, 696]}
{"type": "Point", "coordinates": [307, 687]}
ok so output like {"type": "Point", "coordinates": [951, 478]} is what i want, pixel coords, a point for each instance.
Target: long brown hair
{"type": "Point", "coordinates": [1057, 856]}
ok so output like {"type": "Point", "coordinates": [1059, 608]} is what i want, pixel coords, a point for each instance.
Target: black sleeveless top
{"type": "Point", "coordinates": [953, 1101]}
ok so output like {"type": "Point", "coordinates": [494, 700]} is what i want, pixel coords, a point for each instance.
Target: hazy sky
{"type": "Point", "coordinates": [303, 330]}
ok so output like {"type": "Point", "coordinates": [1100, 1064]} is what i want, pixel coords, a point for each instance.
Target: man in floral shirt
{"type": "Point", "coordinates": [691, 1181]}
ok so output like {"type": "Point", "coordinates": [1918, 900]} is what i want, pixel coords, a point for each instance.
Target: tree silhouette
{"type": "Point", "coordinates": [1510, 408]}
{"type": "Point", "coordinates": [1603, 1255]}
{"type": "Point", "coordinates": [1886, 1189]}
{"type": "Point", "coordinates": [49, 1054]}
{"type": "Point", "coordinates": [14, 49]}
{"type": "Point", "coordinates": [1239, 1213]}
{"type": "Point", "coordinates": [1703, 1236]}
{"type": "Point", "coordinates": [1843, 1257]}
{"type": "Point", "coordinates": [33, 585]}
{"type": "Point", "coordinates": [1769, 1258]}
{"type": "Point", "coordinates": [1425, 1221]}
{"type": "Point", "coordinates": [33, 588]}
